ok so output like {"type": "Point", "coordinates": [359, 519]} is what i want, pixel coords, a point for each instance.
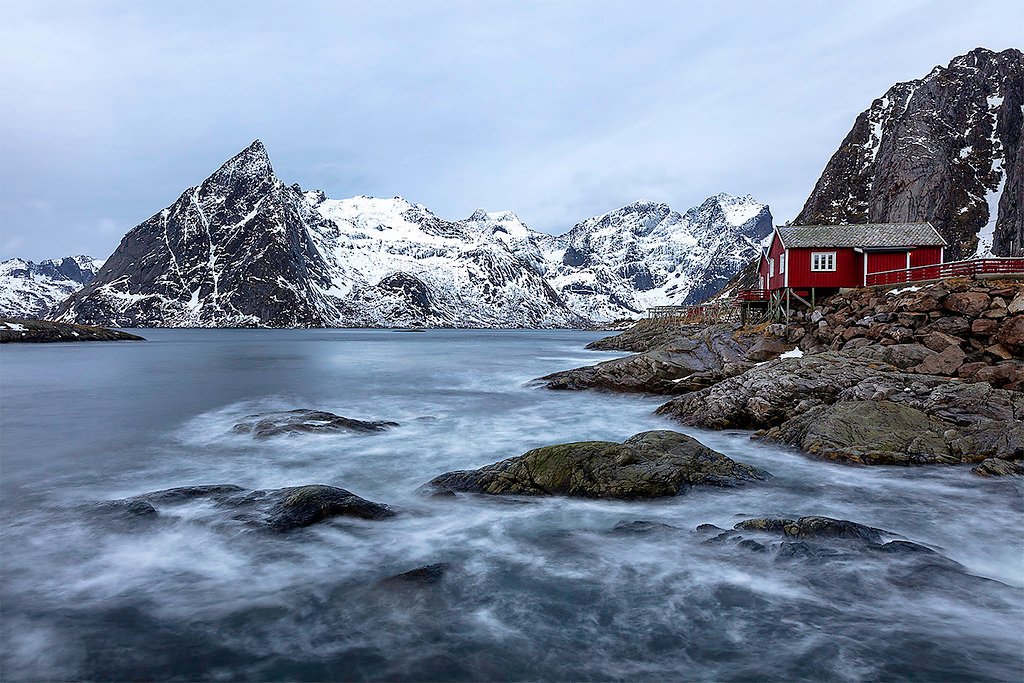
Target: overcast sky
{"type": "Point", "coordinates": [556, 110]}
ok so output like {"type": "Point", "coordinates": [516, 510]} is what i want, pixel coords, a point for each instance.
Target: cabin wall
{"type": "Point", "coordinates": [774, 252]}
{"type": "Point", "coordinates": [925, 256]}
{"type": "Point", "coordinates": [849, 270]}
{"type": "Point", "coordinates": [881, 261]}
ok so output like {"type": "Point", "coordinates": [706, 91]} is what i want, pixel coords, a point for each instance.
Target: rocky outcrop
{"type": "Point", "coordinates": [837, 406]}
{"type": "Point", "coordinates": [685, 359]}
{"type": "Point", "coordinates": [946, 148]}
{"type": "Point", "coordinates": [305, 421]}
{"type": "Point", "coordinates": [274, 510]}
{"type": "Point", "coordinates": [647, 465]}
{"type": "Point", "coordinates": [36, 331]}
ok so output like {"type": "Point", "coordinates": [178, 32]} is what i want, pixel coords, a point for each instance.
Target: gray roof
{"type": "Point", "coordinates": [868, 235]}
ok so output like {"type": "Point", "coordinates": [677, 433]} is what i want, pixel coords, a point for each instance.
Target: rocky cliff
{"type": "Point", "coordinates": [945, 148]}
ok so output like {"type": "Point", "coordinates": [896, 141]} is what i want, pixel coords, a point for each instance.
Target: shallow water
{"type": "Point", "coordinates": [538, 589]}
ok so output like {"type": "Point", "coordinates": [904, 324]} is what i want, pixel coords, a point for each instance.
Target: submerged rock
{"type": "Point", "coordinates": [642, 527]}
{"type": "Point", "coordinates": [305, 421]}
{"type": "Point", "coordinates": [302, 506]}
{"type": "Point", "coordinates": [421, 576]}
{"type": "Point", "coordinates": [647, 465]}
{"type": "Point", "coordinates": [814, 527]}
{"type": "Point", "coordinates": [276, 509]}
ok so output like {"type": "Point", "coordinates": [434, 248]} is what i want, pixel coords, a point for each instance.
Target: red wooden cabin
{"type": "Point", "coordinates": [825, 258]}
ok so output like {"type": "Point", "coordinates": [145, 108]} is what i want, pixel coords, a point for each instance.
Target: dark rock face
{"type": "Point", "coordinates": [647, 465]}
{"type": "Point", "coordinates": [275, 510]}
{"type": "Point", "coordinates": [304, 421]}
{"type": "Point", "coordinates": [233, 251]}
{"type": "Point", "coordinates": [931, 150]}
{"type": "Point", "coordinates": [684, 359]}
{"type": "Point", "coordinates": [37, 331]}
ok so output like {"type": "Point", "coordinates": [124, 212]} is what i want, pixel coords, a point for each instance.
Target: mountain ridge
{"type": "Point", "coordinates": [242, 248]}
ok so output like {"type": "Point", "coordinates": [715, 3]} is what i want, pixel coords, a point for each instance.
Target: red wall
{"type": "Point", "coordinates": [879, 261]}
{"type": "Point", "coordinates": [849, 270]}
{"type": "Point", "coordinates": [925, 256]}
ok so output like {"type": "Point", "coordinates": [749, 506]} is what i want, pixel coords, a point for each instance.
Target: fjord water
{"type": "Point", "coordinates": [537, 589]}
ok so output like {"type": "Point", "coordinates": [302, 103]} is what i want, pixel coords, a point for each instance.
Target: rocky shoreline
{"type": "Point", "coordinates": [920, 375]}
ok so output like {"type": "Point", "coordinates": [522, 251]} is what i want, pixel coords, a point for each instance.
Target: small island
{"type": "Point", "coordinates": [37, 331]}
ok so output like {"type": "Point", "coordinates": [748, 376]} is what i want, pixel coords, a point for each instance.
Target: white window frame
{"type": "Point", "coordinates": [771, 267]}
{"type": "Point", "coordinates": [782, 263]}
{"type": "Point", "coordinates": [823, 261]}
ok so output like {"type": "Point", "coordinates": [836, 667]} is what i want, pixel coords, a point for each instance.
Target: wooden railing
{"type": "Point", "coordinates": [703, 314]}
{"type": "Point", "coordinates": [972, 267]}
{"type": "Point", "coordinates": [753, 295]}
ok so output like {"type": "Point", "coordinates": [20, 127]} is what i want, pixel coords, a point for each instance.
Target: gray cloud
{"type": "Point", "coordinates": [557, 110]}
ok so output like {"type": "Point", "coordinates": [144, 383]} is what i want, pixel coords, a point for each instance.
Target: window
{"type": "Point", "coordinates": [782, 263]}
{"type": "Point", "coordinates": [771, 267]}
{"type": "Point", "coordinates": [823, 260]}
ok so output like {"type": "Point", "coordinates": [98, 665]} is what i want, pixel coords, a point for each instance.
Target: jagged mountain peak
{"type": "Point", "coordinates": [946, 148]}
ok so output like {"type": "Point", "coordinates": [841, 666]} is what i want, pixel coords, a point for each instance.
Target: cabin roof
{"type": "Point", "coordinates": [867, 235]}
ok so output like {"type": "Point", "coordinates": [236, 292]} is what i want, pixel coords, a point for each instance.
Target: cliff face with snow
{"type": "Point", "coordinates": [945, 149]}
{"type": "Point", "coordinates": [245, 249]}
{"type": "Point", "coordinates": [32, 290]}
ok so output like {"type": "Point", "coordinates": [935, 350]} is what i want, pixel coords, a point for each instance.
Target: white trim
{"type": "Point", "coordinates": [785, 255]}
{"type": "Point", "coordinates": [865, 255]}
{"type": "Point", "coordinates": [829, 258]}
{"type": "Point", "coordinates": [908, 260]}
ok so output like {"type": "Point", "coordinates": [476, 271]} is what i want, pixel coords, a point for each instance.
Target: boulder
{"type": "Point", "coordinates": [305, 421]}
{"type": "Point", "coordinates": [947, 362]}
{"type": "Point", "coordinates": [970, 303]}
{"type": "Point", "coordinates": [1011, 333]}
{"type": "Point", "coordinates": [301, 506]}
{"type": "Point", "coordinates": [984, 327]}
{"type": "Point", "coordinates": [995, 467]}
{"type": "Point", "coordinates": [647, 465]}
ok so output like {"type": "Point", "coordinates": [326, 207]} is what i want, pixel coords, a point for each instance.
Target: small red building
{"type": "Point", "coordinates": [815, 258]}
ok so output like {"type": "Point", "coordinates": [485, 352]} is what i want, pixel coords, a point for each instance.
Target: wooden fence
{"type": "Point", "coordinates": [970, 268]}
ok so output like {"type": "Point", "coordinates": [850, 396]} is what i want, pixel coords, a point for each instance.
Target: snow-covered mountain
{"type": "Point", "coordinates": [32, 290]}
{"type": "Point", "coordinates": [645, 254]}
{"type": "Point", "coordinates": [245, 249]}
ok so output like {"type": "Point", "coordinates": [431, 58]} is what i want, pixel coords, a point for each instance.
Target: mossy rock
{"type": "Point", "coordinates": [648, 465]}
{"type": "Point", "coordinates": [869, 433]}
